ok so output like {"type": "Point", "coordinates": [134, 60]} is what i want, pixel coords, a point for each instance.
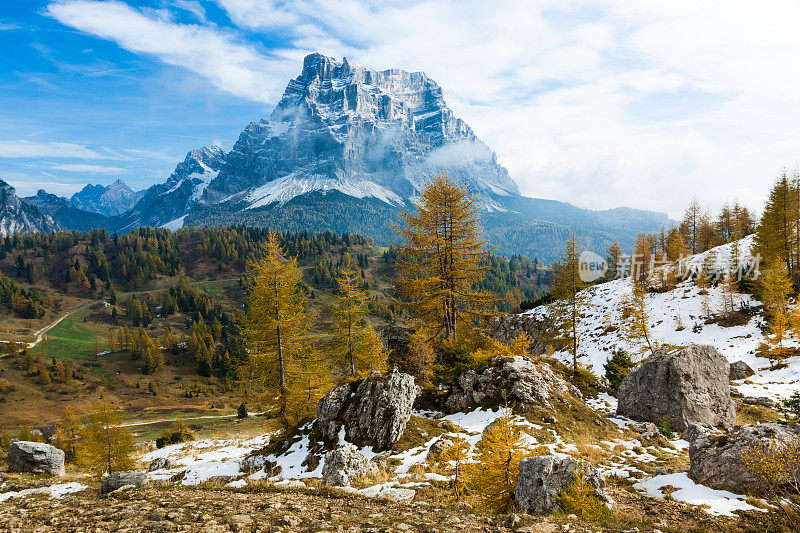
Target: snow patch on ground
{"type": "Point", "coordinates": [58, 490]}
{"type": "Point", "coordinates": [204, 459]}
{"type": "Point", "coordinates": [718, 502]}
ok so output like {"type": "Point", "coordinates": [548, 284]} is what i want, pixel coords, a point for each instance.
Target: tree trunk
{"type": "Point", "coordinates": [281, 365]}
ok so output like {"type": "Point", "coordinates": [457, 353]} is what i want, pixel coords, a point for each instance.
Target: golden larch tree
{"type": "Point", "coordinates": [276, 321]}
{"type": "Point", "coordinates": [636, 327]}
{"type": "Point", "coordinates": [568, 287]}
{"type": "Point", "coordinates": [105, 445]}
{"type": "Point", "coordinates": [68, 433]}
{"type": "Point", "coordinates": [422, 357]}
{"type": "Point", "coordinates": [775, 288]}
{"type": "Point", "coordinates": [441, 259]}
{"type": "Point", "coordinates": [455, 458]}
{"type": "Point", "coordinates": [354, 342]}
{"type": "Point", "coordinates": [499, 452]}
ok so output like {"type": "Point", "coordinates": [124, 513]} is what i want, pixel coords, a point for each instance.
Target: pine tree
{"type": "Point", "coordinates": [500, 451]}
{"type": "Point", "coordinates": [105, 446]}
{"type": "Point", "coordinates": [355, 343]}
{"type": "Point", "coordinates": [441, 259]}
{"type": "Point", "coordinates": [276, 322]}
{"type": "Point", "coordinates": [572, 300]}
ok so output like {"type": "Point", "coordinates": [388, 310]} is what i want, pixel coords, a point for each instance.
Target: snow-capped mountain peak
{"type": "Point", "coordinates": [364, 132]}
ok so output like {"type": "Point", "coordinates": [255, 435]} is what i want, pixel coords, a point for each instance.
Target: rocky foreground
{"type": "Point", "coordinates": [263, 508]}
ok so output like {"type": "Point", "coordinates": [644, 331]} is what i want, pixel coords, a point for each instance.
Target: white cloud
{"type": "Point", "coordinates": [59, 188]}
{"type": "Point", "coordinates": [19, 149]}
{"type": "Point", "coordinates": [216, 55]}
{"type": "Point", "coordinates": [597, 102]}
{"type": "Point", "coordinates": [94, 169]}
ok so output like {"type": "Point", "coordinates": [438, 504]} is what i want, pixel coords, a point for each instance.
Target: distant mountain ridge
{"type": "Point", "coordinates": [110, 200]}
{"type": "Point", "coordinates": [64, 213]}
{"type": "Point", "coordinates": [17, 216]}
{"type": "Point", "coordinates": [346, 148]}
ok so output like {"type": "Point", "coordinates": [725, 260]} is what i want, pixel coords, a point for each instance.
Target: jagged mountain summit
{"type": "Point", "coordinates": [365, 133]}
{"type": "Point", "coordinates": [110, 200]}
{"type": "Point", "coordinates": [169, 202]}
{"type": "Point", "coordinates": [17, 216]}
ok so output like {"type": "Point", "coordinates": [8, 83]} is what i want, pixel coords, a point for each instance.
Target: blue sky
{"type": "Point", "coordinates": [602, 103]}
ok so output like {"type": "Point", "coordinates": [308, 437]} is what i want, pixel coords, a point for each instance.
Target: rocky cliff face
{"type": "Point", "coordinates": [17, 216]}
{"type": "Point", "coordinates": [108, 201]}
{"type": "Point", "coordinates": [364, 132]}
{"type": "Point", "coordinates": [169, 202]}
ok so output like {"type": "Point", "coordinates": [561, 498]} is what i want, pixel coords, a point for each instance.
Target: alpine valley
{"type": "Point", "coordinates": [346, 149]}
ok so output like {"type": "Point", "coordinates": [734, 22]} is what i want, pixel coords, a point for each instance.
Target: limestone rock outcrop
{"type": "Point", "coordinates": [715, 459]}
{"type": "Point", "coordinates": [678, 389]}
{"type": "Point", "coordinates": [507, 378]}
{"type": "Point", "coordinates": [541, 480]}
{"type": "Point", "coordinates": [35, 458]}
{"type": "Point", "coordinates": [373, 411]}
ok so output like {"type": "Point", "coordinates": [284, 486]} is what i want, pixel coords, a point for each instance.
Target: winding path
{"type": "Point", "coordinates": [39, 335]}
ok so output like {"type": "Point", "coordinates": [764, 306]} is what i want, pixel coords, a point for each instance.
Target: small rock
{"type": "Point", "coordinates": [758, 400]}
{"type": "Point", "coordinates": [344, 464]}
{"type": "Point", "coordinates": [290, 521]}
{"type": "Point", "coordinates": [740, 370]}
{"type": "Point", "coordinates": [118, 480]}
{"type": "Point", "coordinates": [541, 480]}
{"type": "Point", "coordinates": [160, 463]}
{"type": "Point", "coordinates": [646, 430]}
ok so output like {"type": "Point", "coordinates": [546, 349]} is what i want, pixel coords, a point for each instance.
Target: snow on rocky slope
{"type": "Point", "coordinates": [676, 318]}
{"type": "Point", "coordinates": [624, 456]}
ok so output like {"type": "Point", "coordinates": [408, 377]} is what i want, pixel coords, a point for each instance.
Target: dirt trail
{"type": "Point", "coordinates": [39, 335]}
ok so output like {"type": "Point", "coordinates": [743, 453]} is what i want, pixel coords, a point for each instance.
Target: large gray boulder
{"type": "Point", "coordinates": [740, 370]}
{"type": "Point", "coordinates": [542, 479]}
{"type": "Point", "coordinates": [373, 412]}
{"type": "Point", "coordinates": [117, 480]}
{"type": "Point", "coordinates": [344, 464]}
{"type": "Point", "coordinates": [507, 379]}
{"type": "Point", "coordinates": [35, 458]}
{"type": "Point", "coordinates": [678, 389]}
{"type": "Point", "coordinates": [715, 459]}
